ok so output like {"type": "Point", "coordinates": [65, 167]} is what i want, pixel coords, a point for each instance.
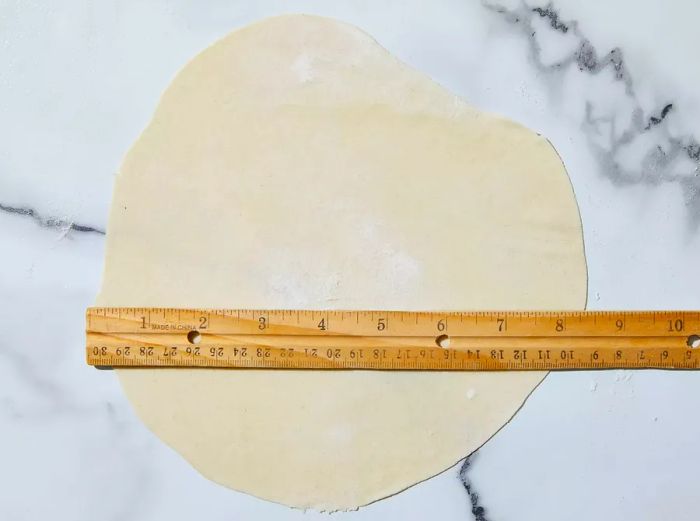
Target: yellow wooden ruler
{"type": "Point", "coordinates": [392, 340]}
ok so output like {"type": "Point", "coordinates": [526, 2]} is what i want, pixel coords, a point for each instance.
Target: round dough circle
{"type": "Point", "coordinates": [297, 164]}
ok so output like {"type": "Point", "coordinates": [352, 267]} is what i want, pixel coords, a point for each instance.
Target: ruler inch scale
{"type": "Point", "coordinates": [392, 340]}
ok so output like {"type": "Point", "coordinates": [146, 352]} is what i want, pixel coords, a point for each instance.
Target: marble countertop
{"type": "Point", "coordinates": [612, 84]}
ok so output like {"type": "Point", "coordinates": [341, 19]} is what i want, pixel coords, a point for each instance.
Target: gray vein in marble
{"type": "Point", "coordinates": [50, 222]}
{"type": "Point", "coordinates": [658, 163]}
{"type": "Point", "coordinates": [553, 17]}
{"type": "Point", "coordinates": [478, 511]}
{"type": "Point", "coordinates": [23, 368]}
{"type": "Point", "coordinates": [655, 120]}
{"type": "Point", "coordinates": [48, 397]}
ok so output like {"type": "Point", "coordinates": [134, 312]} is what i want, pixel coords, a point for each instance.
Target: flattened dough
{"type": "Point", "coordinates": [297, 164]}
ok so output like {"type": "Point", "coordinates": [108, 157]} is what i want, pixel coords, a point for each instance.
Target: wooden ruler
{"type": "Point", "coordinates": [392, 340]}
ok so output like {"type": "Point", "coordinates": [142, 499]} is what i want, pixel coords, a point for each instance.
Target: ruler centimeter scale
{"type": "Point", "coordinates": [392, 340]}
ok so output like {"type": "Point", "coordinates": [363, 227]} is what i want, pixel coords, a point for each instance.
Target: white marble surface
{"type": "Point", "coordinates": [80, 79]}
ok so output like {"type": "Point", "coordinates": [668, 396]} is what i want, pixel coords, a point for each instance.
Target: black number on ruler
{"type": "Point", "coordinates": [501, 324]}
{"type": "Point", "coordinates": [441, 325]}
{"type": "Point", "coordinates": [203, 322]}
{"type": "Point", "coordinates": [381, 324]}
{"type": "Point", "coordinates": [676, 325]}
{"type": "Point", "coordinates": [322, 324]}
{"type": "Point", "coordinates": [559, 327]}
{"type": "Point", "coordinates": [262, 323]}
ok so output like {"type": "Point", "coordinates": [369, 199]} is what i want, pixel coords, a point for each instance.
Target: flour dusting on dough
{"type": "Point", "coordinates": [291, 289]}
{"type": "Point", "coordinates": [303, 68]}
{"type": "Point", "coordinates": [341, 433]}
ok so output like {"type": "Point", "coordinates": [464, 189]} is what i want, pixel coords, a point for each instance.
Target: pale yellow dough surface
{"type": "Point", "coordinates": [297, 164]}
